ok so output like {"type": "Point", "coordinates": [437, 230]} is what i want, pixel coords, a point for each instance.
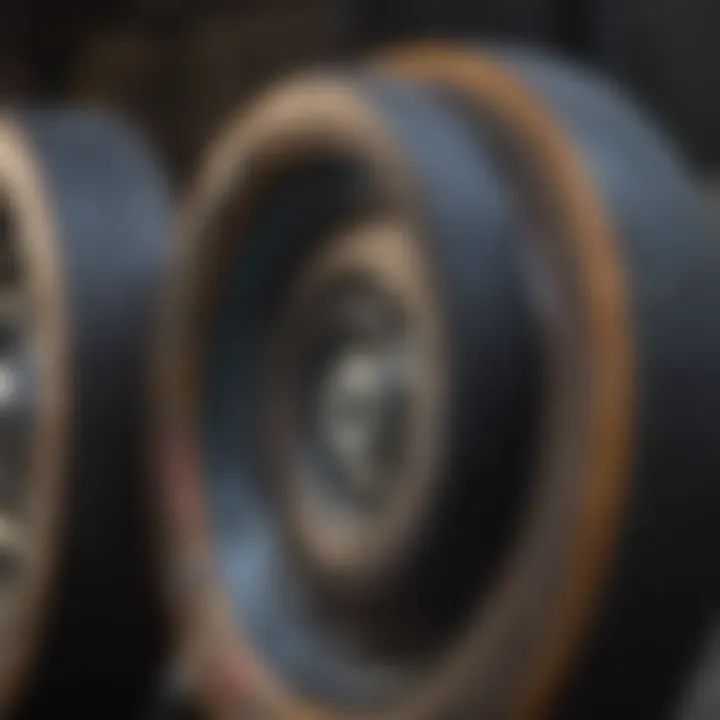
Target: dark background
{"type": "Point", "coordinates": [177, 67]}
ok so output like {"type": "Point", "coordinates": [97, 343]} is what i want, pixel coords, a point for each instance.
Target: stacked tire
{"type": "Point", "coordinates": [84, 225]}
{"type": "Point", "coordinates": [438, 400]}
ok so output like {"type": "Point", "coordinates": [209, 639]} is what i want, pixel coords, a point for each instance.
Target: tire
{"type": "Point", "coordinates": [542, 549]}
{"type": "Point", "coordinates": [86, 215]}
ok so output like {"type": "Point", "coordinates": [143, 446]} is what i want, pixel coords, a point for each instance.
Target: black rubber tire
{"type": "Point", "coordinates": [571, 250]}
{"type": "Point", "coordinates": [661, 600]}
{"type": "Point", "coordinates": [98, 642]}
{"type": "Point", "coordinates": [654, 612]}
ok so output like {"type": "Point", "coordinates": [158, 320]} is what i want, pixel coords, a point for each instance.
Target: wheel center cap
{"type": "Point", "coordinates": [358, 403]}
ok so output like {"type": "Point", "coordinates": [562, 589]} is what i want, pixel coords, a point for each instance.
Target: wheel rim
{"type": "Point", "coordinates": [36, 384]}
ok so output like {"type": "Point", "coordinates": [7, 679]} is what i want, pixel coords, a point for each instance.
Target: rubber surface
{"type": "Point", "coordinates": [664, 590]}
{"type": "Point", "coordinates": [102, 643]}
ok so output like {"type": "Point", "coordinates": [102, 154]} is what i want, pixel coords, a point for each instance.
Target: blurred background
{"type": "Point", "coordinates": [177, 67]}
